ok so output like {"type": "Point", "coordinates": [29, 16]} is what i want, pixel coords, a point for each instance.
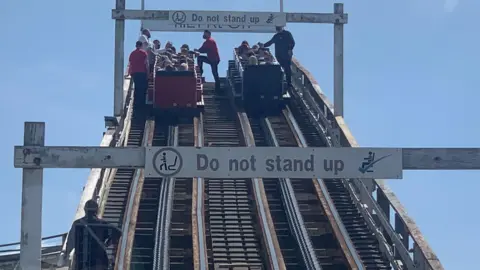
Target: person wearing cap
{"type": "Point", "coordinates": [90, 236]}
{"type": "Point", "coordinates": [213, 58]}
{"type": "Point", "coordinates": [284, 44]}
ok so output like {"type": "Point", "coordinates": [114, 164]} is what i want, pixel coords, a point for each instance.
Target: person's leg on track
{"type": "Point", "coordinates": [288, 71]}
{"type": "Point", "coordinates": [285, 63]}
{"type": "Point", "coordinates": [200, 60]}
{"type": "Point", "coordinates": [214, 67]}
{"type": "Point", "coordinates": [143, 92]}
{"type": "Point", "coordinates": [137, 86]}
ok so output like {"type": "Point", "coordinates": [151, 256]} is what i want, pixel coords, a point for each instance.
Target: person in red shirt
{"type": "Point", "coordinates": [213, 58]}
{"type": "Point", "coordinates": [138, 69]}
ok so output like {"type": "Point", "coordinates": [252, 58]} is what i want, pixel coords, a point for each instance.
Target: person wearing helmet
{"type": "Point", "coordinates": [90, 236]}
{"type": "Point", "coordinates": [284, 44]}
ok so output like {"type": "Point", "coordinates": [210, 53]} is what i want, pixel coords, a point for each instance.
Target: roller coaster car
{"type": "Point", "coordinates": [259, 88]}
{"type": "Point", "coordinates": [177, 93]}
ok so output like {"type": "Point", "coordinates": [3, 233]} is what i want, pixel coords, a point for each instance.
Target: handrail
{"type": "Point", "coordinates": [130, 221]}
{"type": "Point", "coordinates": [238, 64]}
{"type": "Point", "coordinates": [404, 226]}
{"type": "Point", "coordinates": [266, 222]}
{"type": "Point", "coordinates": [331, 212]}
{"type": "Point", "coordinates": [43, 239]}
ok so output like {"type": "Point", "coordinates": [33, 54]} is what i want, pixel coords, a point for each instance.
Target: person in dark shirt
{"type": "Point", "coordinates": [284, 44]}
{"type": "Point", "coordinates": [138, 69]}
{"type": "Point", "coordinates": [213, 58]}
{"type": "Point", "coordinates": [90, 236]}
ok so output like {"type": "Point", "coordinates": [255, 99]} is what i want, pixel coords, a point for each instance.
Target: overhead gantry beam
{"type": "Point", "coordinates": [292, 17]}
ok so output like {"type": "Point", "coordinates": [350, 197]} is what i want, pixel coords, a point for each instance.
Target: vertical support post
{"type": "Point", "coordinates": [31, 218]}
{"type": "Point", "coordinates": [119, 62]}
{"type": "Point", "coordinates": [142, 7]}
{"type": "Point", "coordinates": [338, 63]}
{"type": "Point", "coordinates": [281, 5]}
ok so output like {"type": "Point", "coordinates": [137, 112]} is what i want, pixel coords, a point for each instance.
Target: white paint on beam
{"type": "Point", "coordinates": [79, 157]}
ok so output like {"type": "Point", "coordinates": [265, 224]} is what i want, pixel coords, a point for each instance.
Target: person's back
{"type": "Point", "coordinates": [90, 236]}
{"type": "Point", "coordinates": [90, 248]}
{"type": "Point", "coordinates": [138, 61]}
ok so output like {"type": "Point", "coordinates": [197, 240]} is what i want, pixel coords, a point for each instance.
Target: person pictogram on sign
{"type": "Point", "coordinates": [368, 163]}
{"type": "Point", "coordinates": [164, 166]}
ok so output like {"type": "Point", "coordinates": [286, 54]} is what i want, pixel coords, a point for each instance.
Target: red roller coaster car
{"type": "Point", "coordinates": [179, 92]}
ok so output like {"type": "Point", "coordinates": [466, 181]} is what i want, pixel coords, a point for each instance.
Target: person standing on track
{"type": "Point", "coordinates": [284, 44]}
{"type": "Point", "coordinates": [138, 69]}
{"type": "Point", "coordinates": [213, 58]}
{"type": "Point", "coordinates": [90, 236]}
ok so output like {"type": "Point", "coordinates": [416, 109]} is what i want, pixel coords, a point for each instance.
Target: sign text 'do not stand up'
{"type": "Point", "coordinates": [274, 162]}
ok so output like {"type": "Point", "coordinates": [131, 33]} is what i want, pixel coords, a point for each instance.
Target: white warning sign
{"type": "Point", "coordinates": [274, 162]}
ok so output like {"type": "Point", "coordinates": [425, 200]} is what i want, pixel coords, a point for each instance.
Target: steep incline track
{"type": "Point", "coordinates": [115, 206]}
{"type": "Point", "coordinates": [290, 250]}
{"type": "Point", "coordinates": [361, 236]}
{"type": "Point", "coordinates": [329, 253]}
{"type": "Point", "coordinates": [143, 244]}
{"type": "Point", "coordinates": [230, 216]}
{"type": "Point", "coordinates": [181, 226]}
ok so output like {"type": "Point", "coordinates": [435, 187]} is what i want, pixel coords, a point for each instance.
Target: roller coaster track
{"type": "Point", "coordinates": [255, 223]}
{"type": "Point", "coordinates": [332, 248]}
{"type": "Point", "coordinates": [238, 226]}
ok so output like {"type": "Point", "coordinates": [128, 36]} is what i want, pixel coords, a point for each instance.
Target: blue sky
{"type": "Point", "coordinates": [410, 78]}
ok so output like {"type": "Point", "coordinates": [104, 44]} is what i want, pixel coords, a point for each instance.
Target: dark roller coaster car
{"type": "Point", "coordinates": [176, 94]}
{"type": "Point", "coordinates": [258, 88]}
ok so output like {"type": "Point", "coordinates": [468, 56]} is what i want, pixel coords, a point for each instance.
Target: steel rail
{"type": "Point", "coordinates": [198, 223]}
{"type": "Point", "coordinates": [295, 218]}
{"type": "Point", "coordinates": [130, 221]}
{"type": "Point", "coordinates": [162, 229]}
{"type": "Point", "coordinates": [270, 236]}
{"type": "Point", "coordinates": [340, 232]}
